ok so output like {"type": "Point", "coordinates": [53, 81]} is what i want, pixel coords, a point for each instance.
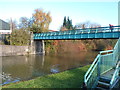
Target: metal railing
{"type": "Point", "coordinates": [92, 73]}
{"type": "Point", "coordinates": [104, 62]}
{"type": "Point", "coordinates": [100, 32]}
{"type": "Point", "coordinates": [115, 75]}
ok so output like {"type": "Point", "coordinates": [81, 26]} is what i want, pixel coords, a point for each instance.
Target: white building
{"type": "Point", "coordinates": [4, 29]}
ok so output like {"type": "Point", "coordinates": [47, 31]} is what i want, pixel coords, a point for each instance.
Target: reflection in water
{"type": "Point", "coordinates": [28, 67]}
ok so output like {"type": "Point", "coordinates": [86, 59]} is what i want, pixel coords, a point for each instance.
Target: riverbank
{"type": "Point", "coordinates": [68, 79]}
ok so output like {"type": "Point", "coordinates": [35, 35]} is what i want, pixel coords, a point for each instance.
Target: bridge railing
{"type": "Point", "coordinates": [76, 32]}
{"type": "Point", "coordinates": [105, 61]}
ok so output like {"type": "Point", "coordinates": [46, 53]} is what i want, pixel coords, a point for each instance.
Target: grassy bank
{"type": "Point", "coordinates": [68, 79]}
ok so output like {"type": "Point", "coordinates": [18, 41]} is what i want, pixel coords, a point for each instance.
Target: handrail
{"type": "Point", "coordinates": [107, 51]}
{"type": "Point", "coordinates": [106, 61]}
{"type": "Point", "coordinates": [91, 67]}
{"type": "Point", "coordinates": [103, 32]}
{"type": "Point", "coordinates": [92, 71]}
{"type": "Point", "coordinates": [83, 29]}
{"type": "Point", "coordinates": [114, 75]}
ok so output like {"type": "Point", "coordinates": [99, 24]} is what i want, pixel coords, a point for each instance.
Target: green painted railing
{"type": "Point", "coordinates": [104, 62]}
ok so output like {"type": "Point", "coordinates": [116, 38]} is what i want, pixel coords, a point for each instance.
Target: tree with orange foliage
{"type": "Point", "coordinates": [41, 21]}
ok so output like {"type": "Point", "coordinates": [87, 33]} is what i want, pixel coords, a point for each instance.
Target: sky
{"type": "Point", "coordinates": [103, 12]}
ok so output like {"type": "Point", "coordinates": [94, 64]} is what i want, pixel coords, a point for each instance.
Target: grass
{"type": "Point", "coordinates": [68, 79]}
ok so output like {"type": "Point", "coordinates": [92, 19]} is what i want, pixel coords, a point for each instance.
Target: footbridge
{"type": "Point", "coordinates": [104, 73]}
{"type": "Point", "coordinates": [87, 33]}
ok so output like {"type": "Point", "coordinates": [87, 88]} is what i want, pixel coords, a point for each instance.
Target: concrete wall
{"type": "Point", "coordinates": [9, 50]}
{"type": "Point", "coordinates": [37, 47]}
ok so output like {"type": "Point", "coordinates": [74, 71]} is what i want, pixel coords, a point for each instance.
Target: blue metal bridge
{"type": "Point", "coordinates": [88, 33]}
{"type": "Point", "coordinates": [104, 73]}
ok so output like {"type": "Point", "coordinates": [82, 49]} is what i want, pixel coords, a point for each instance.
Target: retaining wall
{"type": "Point", "coordinates": [9, 50]}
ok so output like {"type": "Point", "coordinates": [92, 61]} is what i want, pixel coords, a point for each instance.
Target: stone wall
{"type": "Point", "coordinates": [37, 47]}
{"type": "Point", "coordinates": [9, 50]}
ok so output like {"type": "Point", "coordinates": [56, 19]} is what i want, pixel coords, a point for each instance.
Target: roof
{"type": "Point", "coordinates": [4, 25]}
{"type": "Point", "coordinates": [52, 31]}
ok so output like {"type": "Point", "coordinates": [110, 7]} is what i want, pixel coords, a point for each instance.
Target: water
{"type": "Point", "coordinates": [17, 68]}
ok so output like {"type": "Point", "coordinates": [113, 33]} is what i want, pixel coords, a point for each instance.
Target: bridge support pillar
{"type": "Point", "coordinates": [37, 46]}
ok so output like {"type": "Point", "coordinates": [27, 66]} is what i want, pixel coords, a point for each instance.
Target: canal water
{"type": "Point", "coordinates": [17, 68]}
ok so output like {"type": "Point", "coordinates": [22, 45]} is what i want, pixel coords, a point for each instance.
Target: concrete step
{"type": "Point", "coordinates": [100, 88]}
{"type": "Point", "coordinates": [104, 79]}
{"type": "Point", "coordinates": [103, 85]}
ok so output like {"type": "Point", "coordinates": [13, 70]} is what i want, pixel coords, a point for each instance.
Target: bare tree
{"type": "Point", "coordinates": [13, 24]}
{"type": "Point", "coordinates": [87, 24]}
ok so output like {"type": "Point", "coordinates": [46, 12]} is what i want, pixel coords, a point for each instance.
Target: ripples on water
{"type": "Point", "coordinates": [6, 79]}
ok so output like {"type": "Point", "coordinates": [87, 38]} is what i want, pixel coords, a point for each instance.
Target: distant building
{"type": "Point", "coordinates": [52, 31]}
{"type": "Point", "coordinates": [4, 30]}
{"type": "Point", "coordinates": [4, 27]}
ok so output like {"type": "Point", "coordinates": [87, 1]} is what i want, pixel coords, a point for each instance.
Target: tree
{"type": "Point", "coordinates": [13, 24]}
{"type": "Point", "coordinates": [41, 21]}
{"type": "Point", "coordinates": [63, 28]}
{"type": "Point", "coordinates": [87, 24]}
{"type": "Point", "coordinates": [67, 24]}
{"type": "Point", "coordinates": [19, 37]}
{"type": "Point", "coordinates": [64, 22]}
{"type": "Point", "coordinates": [24, 23]}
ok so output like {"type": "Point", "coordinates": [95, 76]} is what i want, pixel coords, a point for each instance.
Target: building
{"type": "Point", "coordinates": [4, 27]}
{"type": "Point", "coordinates": [4, 30]}
{"type": "Point", "coordinates": [52, 31]}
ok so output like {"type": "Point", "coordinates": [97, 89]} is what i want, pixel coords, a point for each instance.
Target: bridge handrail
{"type": "Point", "coordinates": [77, 33]}
{"type": "Point", "coordinates": [116, 74]}
{"type": "Point", "coordinates": [82, 29]}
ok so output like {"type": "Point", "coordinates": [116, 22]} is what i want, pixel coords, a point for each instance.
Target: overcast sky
{"type": "Point", "coordinates": [104, 12]}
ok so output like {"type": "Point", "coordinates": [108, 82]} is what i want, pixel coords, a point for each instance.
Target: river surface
{"type": "Point", "coordinates": [17, 68]}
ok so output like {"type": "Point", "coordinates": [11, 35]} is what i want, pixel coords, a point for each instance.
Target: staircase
{"type": "Point", "coordinates": [103, 83]}
{"type": "Point", "coordinates": [104, 73]}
